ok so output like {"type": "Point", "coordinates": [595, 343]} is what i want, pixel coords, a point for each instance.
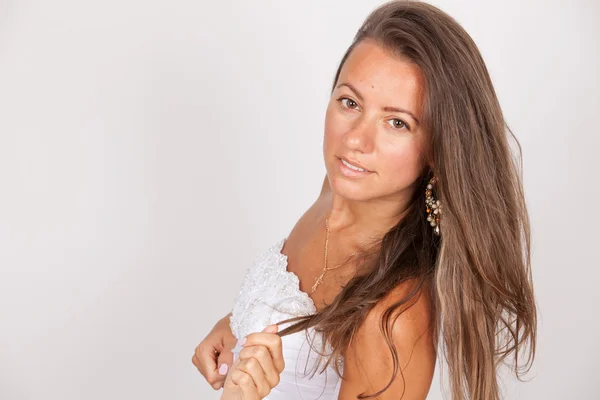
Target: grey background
{"type": "Point", "coordinates": [149, 150]}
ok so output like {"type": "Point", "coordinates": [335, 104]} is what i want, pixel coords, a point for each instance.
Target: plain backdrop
{"type": "Point", "coordinates": [149, 150]}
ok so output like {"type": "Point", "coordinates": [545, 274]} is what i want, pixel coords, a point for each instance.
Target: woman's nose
{"type": "Point", "coordinates": [360, 137]}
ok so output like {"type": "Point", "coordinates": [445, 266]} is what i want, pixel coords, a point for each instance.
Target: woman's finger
{"type": "Point", "coordinates": [225, 357]}
{"type": "Point", "coordinates": [205, 361]}
{"type": "Point", "coordinates": [252, 367]}
{"type": "Point", "coordinates": [271, 341]}
{"type": "Point", "coordinates": [263, 356]}
{"type": "Point", "coordinates": [245, 383]}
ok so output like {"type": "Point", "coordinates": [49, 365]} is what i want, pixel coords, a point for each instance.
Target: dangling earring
{"type": "Point", "coordinates": [434, 208]}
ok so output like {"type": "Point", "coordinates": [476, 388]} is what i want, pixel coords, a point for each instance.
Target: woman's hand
{"type": "Point", "coordinates": [258, 367]}
{"type": "Point", "coordinates": [213, 356]}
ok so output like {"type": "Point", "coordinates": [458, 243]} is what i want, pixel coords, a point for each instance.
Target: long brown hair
{"type": "Point", "coordinates": [478, 272]}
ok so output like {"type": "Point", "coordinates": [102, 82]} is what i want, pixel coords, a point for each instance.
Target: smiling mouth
{"type": "Point", "coordinates": [352, 170]}
{"type": "Point", "coordinates": [352, 166]}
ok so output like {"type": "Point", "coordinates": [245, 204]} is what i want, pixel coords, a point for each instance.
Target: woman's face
{"type": "Point", "coordinates": [372, 122]}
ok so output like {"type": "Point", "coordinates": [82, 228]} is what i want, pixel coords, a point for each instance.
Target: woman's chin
{"type": "Point", "coordinates": [351, 190]}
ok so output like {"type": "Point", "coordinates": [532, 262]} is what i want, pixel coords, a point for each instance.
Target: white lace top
{"type": "Point", "coordinates": [269, 294]}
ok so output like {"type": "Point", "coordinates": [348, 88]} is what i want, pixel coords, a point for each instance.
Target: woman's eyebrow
{"type": "Point", "coordinates": [387, 109]}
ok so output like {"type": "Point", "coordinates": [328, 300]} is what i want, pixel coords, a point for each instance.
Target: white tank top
{"type": "Point", "coordinates": [270, 293]}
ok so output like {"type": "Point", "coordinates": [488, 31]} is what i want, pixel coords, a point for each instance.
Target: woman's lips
{"type": "Point", "coordinates": [352, 173]}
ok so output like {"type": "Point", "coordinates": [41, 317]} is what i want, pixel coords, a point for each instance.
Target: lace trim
{"type": "Point", "coordinates": [293, 278]}
{"type": "Point", "coordinates": [269, 282]}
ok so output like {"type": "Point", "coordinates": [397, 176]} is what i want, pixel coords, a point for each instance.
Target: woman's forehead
{"type": "Point", "coordinates": [380, 77]}
{"type": "Point", "coordinates": [370, 63]}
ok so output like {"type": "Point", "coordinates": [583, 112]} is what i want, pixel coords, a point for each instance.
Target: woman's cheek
{"type": "Point", "coordinates": [334, 135]}
{"type": "Point", "coordinates": [403, 166]}
{"type": "Point", "coordinates": [334, 126]}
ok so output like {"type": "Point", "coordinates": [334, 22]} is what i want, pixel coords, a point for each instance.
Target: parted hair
{"type": "Point", "coordinates": [478, 272]}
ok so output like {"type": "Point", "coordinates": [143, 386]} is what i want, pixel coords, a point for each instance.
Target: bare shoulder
{"type": "Point", "coordinates": [368, 362]}
{"type": "Point", "coordinates": [302, 231]}
{"type": "Point", "coordinates": [305, 228]}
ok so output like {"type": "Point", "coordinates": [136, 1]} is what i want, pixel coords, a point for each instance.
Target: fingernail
{"type": "Point", "coordinates": [271, 328]}
{"type": "Point", "coordinates": [223, 369]}
{"type": "Point", "coordinates": [242, 341]}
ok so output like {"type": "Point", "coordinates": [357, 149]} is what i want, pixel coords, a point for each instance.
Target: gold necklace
{"type": "Point", "coordinates": [320, 278]}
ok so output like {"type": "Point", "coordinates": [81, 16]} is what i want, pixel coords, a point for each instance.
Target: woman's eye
{"type": "Point", "coordinates": [348, 103]}
{"type": "Point", "coordinates": [399, 124]}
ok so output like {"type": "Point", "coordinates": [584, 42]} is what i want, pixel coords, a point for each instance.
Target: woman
{"type": "Point", "coordinates": [418, 241]}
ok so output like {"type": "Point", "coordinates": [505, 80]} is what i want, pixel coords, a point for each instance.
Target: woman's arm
{"type": "Point", "coordinates": [368, 364]}
{"type": "Point", "coordinates": [214, 352]}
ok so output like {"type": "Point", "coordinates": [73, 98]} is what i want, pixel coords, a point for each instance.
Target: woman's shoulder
{"type": "Point", "coordinates": [415, 316]}
{"type": "Point", "coordinates": [303, 230]}
{"type": "Point", "coordinates": [368, 361]}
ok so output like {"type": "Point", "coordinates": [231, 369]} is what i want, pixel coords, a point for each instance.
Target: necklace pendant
{"type": "Point", "coordinates": [318, 282]}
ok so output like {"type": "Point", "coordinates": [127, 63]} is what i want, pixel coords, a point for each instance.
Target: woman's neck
{"type": "Point", "coordinates": [366, 222]}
